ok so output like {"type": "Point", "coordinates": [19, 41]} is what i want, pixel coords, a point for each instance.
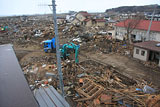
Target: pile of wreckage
{"type": "Point", "coordinates": [89, 83]}
{"type": "Point", "coordinates": [20, 31]}
{"type": "Point", "coordinates": [26, 32]}
{"type": "Point", "coordinates": [107, 45]}
{"type": "Point", "coordinates": [93, 84]}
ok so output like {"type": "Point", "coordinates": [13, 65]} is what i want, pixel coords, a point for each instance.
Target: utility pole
{"type": "Point", "coordinates": [57, 48]}
{"type": "Point", "coordinates": [148, 32]}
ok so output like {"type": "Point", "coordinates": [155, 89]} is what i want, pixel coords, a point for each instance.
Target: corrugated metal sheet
{"type": "Point", "coordinates": [49, 97]}
{"type": "Point", "coordinates": [14, 89]}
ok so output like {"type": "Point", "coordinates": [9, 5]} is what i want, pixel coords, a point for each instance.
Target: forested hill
{"type": "Point", "coordinates": [133, 9]}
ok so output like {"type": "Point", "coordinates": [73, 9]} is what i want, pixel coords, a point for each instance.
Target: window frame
{"type": "Point", "coordinates": [143, 53]}
{"type": "Point", "coordinates": [137, 51]}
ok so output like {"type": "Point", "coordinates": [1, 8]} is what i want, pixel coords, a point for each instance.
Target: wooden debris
{"type": "Point", "coordinates": [89, 90]}
{"type": "Point", "coordinates": [153, 101]}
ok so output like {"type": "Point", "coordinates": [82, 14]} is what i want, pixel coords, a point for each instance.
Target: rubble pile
{"type": "Point", "coordinates": [106, 45]}
{"type": "Point", "coordinates": [87, 84]}
{"type": "Point", "coordinates": [49, 59]}
{"type": "Point", "coordinates": [25, 31]}
{"type": "Point", "coordinates": [92, 84]}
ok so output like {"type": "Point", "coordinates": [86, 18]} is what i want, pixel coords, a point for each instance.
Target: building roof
{"type": "Point", "coordinates": [61, 17]}
{"type": "Point", "coordinates": [143, 24]}
{"type": "Point", "coordinates": [85, 13]}
{"type": "Point", "coordinates": [47, 41]}
{"type": "Point", "coordinates": [14, 89]}
{"type": "Point", "coordinates": [48, 97]}
{"type": "Point", "coordinates": [149, 45]}
{"type": "Point", "coordinates": [86, 20]}
{"type": "Point", "coordinates": [111, 21]}
{"type": "Point", "coordinates": [100, 20]}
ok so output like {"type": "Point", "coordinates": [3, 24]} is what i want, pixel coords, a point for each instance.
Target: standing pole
{"type": "Point", "coordinates": [57, 48]}
{"type": "Point", "coordinates": [148, 32]}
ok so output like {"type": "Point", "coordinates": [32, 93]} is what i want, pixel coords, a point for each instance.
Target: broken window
{"type": "Point", "coordinates": [142, 53]}
{"type": "Point", "coordinates": [110, 34]}
{"type": "Point", "coordinates": [137, 51]}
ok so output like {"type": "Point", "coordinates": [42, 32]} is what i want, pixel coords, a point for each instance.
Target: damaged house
{"type": "Point", "coordinates": [87, 22]}
{"type": "Point", "coordinates": [80, 17]}
{"type": "Point", "coordinates": [139, 30]}
{"type": "Point", "coordinates": [61, 20]}
{"type": "Point", "coordinates": [147, 51]}
{"type": "Point", "coordinates": [94, 22]}
{"type": "Point", "coordinates": [99, 22]}
{"type": "Point", "coordinates": [85, 19]}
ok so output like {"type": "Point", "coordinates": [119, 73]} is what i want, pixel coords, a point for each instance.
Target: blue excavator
{"type": "Point", "coordinates": [66, 49]}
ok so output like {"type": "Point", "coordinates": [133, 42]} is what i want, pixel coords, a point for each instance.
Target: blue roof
{"type": "Point", "coordinates": [47, 41]}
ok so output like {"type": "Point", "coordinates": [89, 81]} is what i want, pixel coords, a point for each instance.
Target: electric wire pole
{"type": "Point", "coordinates": [150, 24]}
{"type": "Point", "coordinates": [57, 48]}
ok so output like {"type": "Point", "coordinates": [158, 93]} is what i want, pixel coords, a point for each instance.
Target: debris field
{"type": "Point", "coordinates": [89, 83]}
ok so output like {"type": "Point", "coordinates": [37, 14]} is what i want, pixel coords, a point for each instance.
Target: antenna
{"type": "Point", "coordinates": [43, 6]}
{"type": "Point", "coordinates": [46, 5]}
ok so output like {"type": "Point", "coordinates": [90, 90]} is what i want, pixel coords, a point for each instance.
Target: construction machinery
{"type": "Point", "coordinates": [3, 29]}
{"type": "Point", "coordinates": [67, 49]}
{"type": "Point", "coordinates": [49, 45]}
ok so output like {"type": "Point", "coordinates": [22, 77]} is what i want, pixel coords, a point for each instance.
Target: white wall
{"type": "Point", "coordinates": [139, 56]}
{"type": "Point", "coordinates": [113, 33]}
{"type": "Point", "coordinates": [120, 31]}
{"type": "Point", "coordinates": [80, 17]}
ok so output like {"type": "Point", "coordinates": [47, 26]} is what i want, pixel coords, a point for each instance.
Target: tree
{"type": "Point", "coordinates": [130, 24]}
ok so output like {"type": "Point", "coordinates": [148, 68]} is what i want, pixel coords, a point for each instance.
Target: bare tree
{"type": "Point", "coordinates": [130, 24]}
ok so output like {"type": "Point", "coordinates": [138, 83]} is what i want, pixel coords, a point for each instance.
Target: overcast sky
{"type": "Point", "coordinates": [22, 7]}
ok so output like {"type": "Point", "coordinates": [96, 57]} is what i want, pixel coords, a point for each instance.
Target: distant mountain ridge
{"type": "Point", "coordinates": [134, 9]}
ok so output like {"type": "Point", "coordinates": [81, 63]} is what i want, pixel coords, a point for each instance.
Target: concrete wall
{"type": "Point", "coordinates": [111, 24]}
{"type": "Point", "coordinates": [120, 33]}
{"type": "Point", "coordinates": [89, 23]}
{"type": "Point", "coordinates": [101, 24]}
{"type": "Point", "coordinates": [75, 21]}
{"type": "Point", "coordinates": [60, 21]}
{"type": "Point", "coordinates": [80, 17]}
{"type": "Point", "coordinates": [139, 56]}
{"type": "Point", "coordinates": [112, 32]}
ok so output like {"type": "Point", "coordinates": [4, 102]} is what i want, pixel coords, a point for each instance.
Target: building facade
{"type": "Point", "coordinates": [99, 22]}
{"type": "Point", "coordinates": [80, 17]}
{"type": "Point", "coordinates": [140, 31]}
{"type": "Point", "coordinates": [147, 51]}
{"type": "Point", "coordinates": [87, 22]}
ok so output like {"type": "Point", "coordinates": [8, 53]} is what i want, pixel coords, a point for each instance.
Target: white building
{"type": "Point", "coordinates": [139, 33]}
{"type": "Point", "coordinates": [147, 51]}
